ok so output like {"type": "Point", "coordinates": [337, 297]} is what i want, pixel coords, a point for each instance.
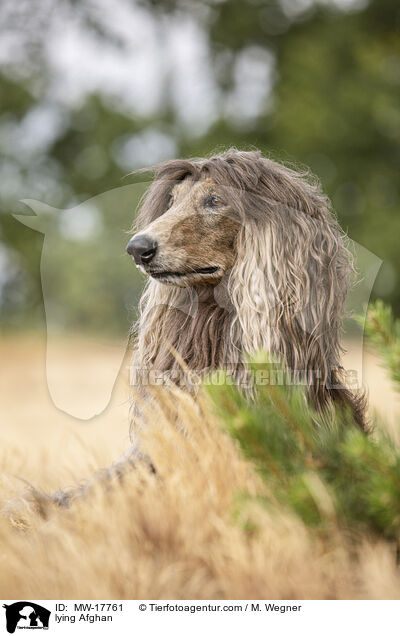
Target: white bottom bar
{"type": "Point", "coordinates": [198, 618]}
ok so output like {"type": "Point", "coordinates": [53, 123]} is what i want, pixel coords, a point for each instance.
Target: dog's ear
{"type": "Point", "coordinates": [153, 204]}
{"type": "Point", "coordinates": [289, 287]}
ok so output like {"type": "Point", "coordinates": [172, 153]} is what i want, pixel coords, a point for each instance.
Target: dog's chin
{"type": "Point", "coordinates": [202, 276]}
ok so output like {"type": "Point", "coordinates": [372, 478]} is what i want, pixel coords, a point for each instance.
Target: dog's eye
{"type": "Point", "coordinates": [212, 201]}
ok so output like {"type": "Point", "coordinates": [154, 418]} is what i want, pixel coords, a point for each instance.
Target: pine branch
{"type": "Point", "coordinates": [323, 474]}
{"type": "Point", "coordinates": [383, 332]}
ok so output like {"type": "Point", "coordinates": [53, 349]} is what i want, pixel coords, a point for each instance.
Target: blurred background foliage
{"type": "Point", "coordinates": [92, 90]}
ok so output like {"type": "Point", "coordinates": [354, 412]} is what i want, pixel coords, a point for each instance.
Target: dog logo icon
{"type": "Point", "coordinates": [26, 615]}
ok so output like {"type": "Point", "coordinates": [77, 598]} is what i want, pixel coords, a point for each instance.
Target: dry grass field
{"type": "Point", "coordinates": [181, 534]}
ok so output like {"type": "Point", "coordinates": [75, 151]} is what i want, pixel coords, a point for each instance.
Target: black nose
{"type": "Point", "coordinates": [142, 248]}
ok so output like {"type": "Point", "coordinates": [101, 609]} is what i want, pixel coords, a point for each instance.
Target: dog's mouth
{"type": "Point", "coordinates": [203, 271]}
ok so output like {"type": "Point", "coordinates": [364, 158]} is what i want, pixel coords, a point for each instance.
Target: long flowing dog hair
{"type": "Point", "coordinates": [285, 292]}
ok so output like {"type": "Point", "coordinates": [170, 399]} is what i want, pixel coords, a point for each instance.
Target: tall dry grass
{"type": "Point", "coordinates": [189, 532]}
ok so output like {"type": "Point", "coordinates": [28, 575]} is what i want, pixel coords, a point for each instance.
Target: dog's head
{"type": "Point", "coordinates": [268, 226]}
{"type": "Point", "coordinates": [192, 239]}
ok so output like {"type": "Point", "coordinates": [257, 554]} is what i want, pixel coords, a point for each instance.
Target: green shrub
{"type": "Point", "coordinates": [326, 475]}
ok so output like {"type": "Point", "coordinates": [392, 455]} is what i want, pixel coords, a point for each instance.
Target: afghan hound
{"type": "Point", "coordinates": [242, 254]}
